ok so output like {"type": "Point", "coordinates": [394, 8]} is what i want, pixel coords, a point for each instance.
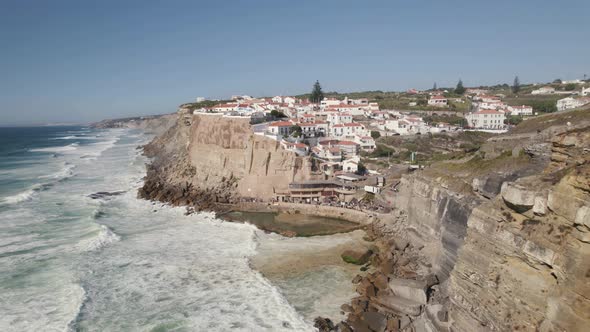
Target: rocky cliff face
{"type": "Point", "coordinates": [518, 260]}
{"type": "Point", "coordinates": [207, 159]}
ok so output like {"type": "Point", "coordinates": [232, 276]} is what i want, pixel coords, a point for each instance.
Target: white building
{"type": "Point", "coordinates": [347, 130]}
{"type": "Point", "coordinates": [438, 101]}
{"type": "Point", "coordinates": [326, 102]}
{"type": "Point", "coordinates": [570, 102]}
{"type": "Point", "coordinates": [335, 118]}
{"type": "Point", "coordinates": [523, 110]}
{"type": "Point", "coordinates": [486, 119]}
{"type": "Point", "coordinates": [314, 129]}
{"type": "Point", "coordinates": [546, 90]}
{"type": "Point", "coordinates": [201, 99]}
{"type": "Point", "coordinates": [280, 128]}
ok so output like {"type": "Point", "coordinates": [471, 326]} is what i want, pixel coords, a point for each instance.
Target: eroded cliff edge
{"type": "Point", "coordinates": [206, 160]}
{"type": "Point", "coordinates": [497, 242]}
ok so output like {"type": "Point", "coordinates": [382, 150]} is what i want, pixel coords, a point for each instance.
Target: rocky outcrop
{"type": "Point", "coordinates": [204, 161]}
{"type": "Point", "coordinates": [450, 259]}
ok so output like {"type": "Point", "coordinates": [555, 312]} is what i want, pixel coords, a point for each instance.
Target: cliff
{"type": "Point", "coordinates": [209, 158]}
{"type": "Point", "coordinates": [510, 247]}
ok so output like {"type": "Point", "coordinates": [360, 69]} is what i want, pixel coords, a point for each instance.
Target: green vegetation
{"type": "Point", "coordinates": [362, 169]}
{"type": "Point", "coordinates": [316, 94]}
{"type": "Point", "coordinates": [375, 134]}
{"type": "Point", "coordinates": [460, 89]}
{"type": "Point", "coordinates": [204, 104]}
{"type": "Point", "coordinates": [545, 121]}
{"type": "Point", "coordinates": [451, 119]}
{"type": "Point", "coordinates": [513, 120]}
{"type": "Point", "coordinates": [516, 85]}
{"type": "Point", "coordinates": [381, 150]}
{"type": "Point", "coordinates": [570, 87]}
{"type": "Point", "coordinates": [295, 131]}
{"type": "Point", "coordinates": [277, 114]}
{"type": "Point", "coordinates": [539, 103]}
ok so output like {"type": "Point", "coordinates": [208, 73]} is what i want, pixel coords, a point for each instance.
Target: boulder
{"type": "Point", "coordinates": [366, 288]}
{"type": "Point", "coordinates": [358, 257]}
{"type": "Point", "coordinates": [393, 324]}
{"type": "Point", "coordinates": [357, 279]}
{"type": "Point", "coordinates": [323, 324]}
{"type": "Point", "coordinates": [343, 327]}
{"type": "Point", "coordinates": [583, 216]}
{"type": "Point", "coordinates": [517, 197]}
{"type": "Point", "coordinates": [414, 290]}
{"type": "Point", "coordinates": [375, 320]}
{"type": "Point", "coordinates": [399, 305]}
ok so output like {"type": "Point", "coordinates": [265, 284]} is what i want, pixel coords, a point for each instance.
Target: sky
{"type": "Point", "coordinates": [83, 61]}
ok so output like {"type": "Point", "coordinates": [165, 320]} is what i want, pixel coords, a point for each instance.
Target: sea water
{"type": "Point", "coordinates": [70, 261]}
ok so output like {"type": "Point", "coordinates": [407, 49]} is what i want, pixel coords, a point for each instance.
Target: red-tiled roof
{"type": "Point", "coordinates": [346, 143]}
{"type": "Point", "coordinates": [488, 112]}
{"type": "Point", "coordinates": [280, 124]}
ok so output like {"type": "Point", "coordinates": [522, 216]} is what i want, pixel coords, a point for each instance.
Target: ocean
{"type": "Point", "coordinates": [79, 251]}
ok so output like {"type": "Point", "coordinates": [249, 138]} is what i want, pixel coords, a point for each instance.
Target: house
{"type": "Point", "coordinates": [351, 164]}
{"type": "Point", "coordinates": [346, 129]}
{"type": "Point", "coordinates": [306, 118]}
{"type": "Point", "coordinates": [546, 90]}
{"type": "Point", "coordinates": [475, 91]}
{"type": "Point", "coordinates": [326, 102]}
{"type": "Point", "coordinates": [585, 91]}
{"type": "Point", "coordinates": [523, 110]}
{"type": "Point", "coordinates": [299, 148]}
{"type": "Point", "coordinates": [289, 100]}
{"type": "Point", "coordinates": [317, 190]}
{"type": "Point", "coordinates": [438, 101]}
{"type": "Point", "coordinates": [486, 119]}
{"type": "Point", "coordinates": [491, 105]}
{"type": "Point", "coordinates": [366, 143]}
{"type": "Point", "coordinates": [314, 129]}
{"type": "Point", "coordinates": [277, 99]}
{"type": "Point", "coordinates": [570, 102]}
{"type": "Point", "coordinates": [348, 148]}
{"type": "Point", "coordinates": [224, 107]}
{"type": "Point", "coordinates": [327, 152]}
{"type": "Point", "coordinates": [280, 128]}
{"type": "Point", "coordinates": [335, 117]}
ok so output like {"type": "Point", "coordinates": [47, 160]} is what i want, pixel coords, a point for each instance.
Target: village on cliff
{"type": "Point", "coordinates": [340, 133]}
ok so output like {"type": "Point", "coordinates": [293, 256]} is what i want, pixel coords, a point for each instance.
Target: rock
{"type": "Point", "coordinates": [392, 325]}
{"type": "Point", "coordinates": [401, 244]}
{"type": "Point", "coordinates": [380, 281]}
{"type": "Point", "coordinates": [288, 233]}
{"type": "Point", "coordinates": [540, 206]}
{"type": "Point", "coordinates": [366, 288]}
{"type": "Point", "coordinates": [583, 216]}
{"type": "Point", "coordinates": [414, 290]}
{"type": "Point", "coordinates": [517, 197]}
{"type": "Point", "coordinates": [346, 307]}
{"type": "Point", "coordinates": [358, 257]}
{"type": "Point", "coordinates": [323, 324]}
{"type": "Point", "coordinates": [357, 279]}
{"type": "Point", "coordinates": [359, 304]}
{"type": "Point", "coordinates": [343, 327]}
{"type": "Point", "coordinates": [399, 305]}
{"type": "Point", "coordinates": [375, 320]}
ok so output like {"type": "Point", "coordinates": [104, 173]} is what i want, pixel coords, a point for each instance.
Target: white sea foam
{"type": "Point", "coordinates": [24, 196]}
{"type": "Point", "coordinates": [57, 149]}
{"type": "Point", "coordinates": [104, 237]}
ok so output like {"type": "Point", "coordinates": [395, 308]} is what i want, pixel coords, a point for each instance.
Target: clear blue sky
{"type": "Point", "coordinates": [89, 60]}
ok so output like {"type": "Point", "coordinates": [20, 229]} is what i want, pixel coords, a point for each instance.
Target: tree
{"type": "Point", "coordinates": [375, 134]}
{"type": "Point", "coordinates": [316, 94]}
{"type": "Point", "coordinates": [295, 131]}
{"type": "Point", "coordinates": [516, 85]}
{"type": "Point", "coordinates": [513, 120]}
{"type": "Point", "coordinates": [277, 114]}
{"type": "Point", "coordinates": [362, 169]}
{"type": "Point", "coordinates": [460, 89]}
{"type": "Point", "coordinates": [557, 81]}
{"type": "Point", "coordinates": [434, 87]}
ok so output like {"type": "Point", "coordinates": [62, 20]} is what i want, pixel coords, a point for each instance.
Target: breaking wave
{"type": "Point", "coordinates": [69, 147]}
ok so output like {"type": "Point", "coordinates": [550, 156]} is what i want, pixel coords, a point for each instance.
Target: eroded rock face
{"type": "Point", "coordinates": [525, 261]}
{"type": "Point", "coordinates": [518, 197]}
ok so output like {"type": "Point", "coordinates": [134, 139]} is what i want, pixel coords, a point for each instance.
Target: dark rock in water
{"type": "Point", "coordinates": [343, 327]}
{"type": "Point", "coordinates": [105, 194]}
{"type": "Point", "coordinates": [358, 257]}
{"type": "Point", "coordinates": [323, 324]}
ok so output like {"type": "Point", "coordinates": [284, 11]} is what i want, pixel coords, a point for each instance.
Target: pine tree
{"type": "Point", "coordinates": [434, 87]}
{"type": "Point", "coordinates": [316, 94]}
{"type": "Point", "coordinates": [460, 89]}
{"type": "Point", "coordinates": [516, 85]}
